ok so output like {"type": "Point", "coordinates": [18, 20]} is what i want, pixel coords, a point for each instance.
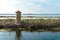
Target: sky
{"type": "Point", "coordinates": [30, 6]}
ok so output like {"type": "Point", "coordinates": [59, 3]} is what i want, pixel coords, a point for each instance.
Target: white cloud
{"type": "Point", "coordinates": [29, 6]}
{"type": "Point", "coordinates": [43, 1]}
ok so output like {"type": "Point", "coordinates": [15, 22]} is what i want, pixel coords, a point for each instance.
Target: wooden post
{"type": "Point", "coordinates": [18, 18]}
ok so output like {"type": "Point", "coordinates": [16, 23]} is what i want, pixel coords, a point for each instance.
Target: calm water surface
{"type": "Point", "coordinates": [27, 35]}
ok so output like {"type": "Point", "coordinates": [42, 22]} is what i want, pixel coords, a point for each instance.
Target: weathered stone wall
{"type": "Point", "coordinates": [18, 18]}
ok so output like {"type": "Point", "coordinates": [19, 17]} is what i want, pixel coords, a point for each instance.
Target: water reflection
{"type": "Point", "coordinates": [18, 34]}
{"type": "Point", "coordinates": [12, 35]}
{"type": "Point", "coordinates": [27, 35]}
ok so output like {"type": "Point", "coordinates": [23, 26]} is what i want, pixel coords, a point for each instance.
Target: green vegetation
{"type": "Point", "coordinates": [5, 21]}
{"type": "Point", "coordinates": [33, 24]}
{"type": "Point", "coordinates": [42, 21]}
{"type": "Point", "coordinates": [32, 21]}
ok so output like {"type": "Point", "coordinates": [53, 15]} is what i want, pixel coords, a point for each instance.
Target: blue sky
{"type": "Point", "coordinates": [30, 6]}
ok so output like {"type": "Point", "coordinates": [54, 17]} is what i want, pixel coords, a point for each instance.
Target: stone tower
{"type": "Point", "coordinates": [18, 18]}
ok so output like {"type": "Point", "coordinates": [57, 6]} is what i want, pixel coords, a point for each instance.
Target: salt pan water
{"type": "Point", "coordinates": [27, 35]}
{"type": "Point", "coordinates": [43, 15]}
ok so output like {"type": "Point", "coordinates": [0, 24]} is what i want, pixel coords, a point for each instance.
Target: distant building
{"type": "Point", "coordinates": [18, 18]}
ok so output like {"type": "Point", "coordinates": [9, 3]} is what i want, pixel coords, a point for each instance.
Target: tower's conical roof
{"type": "Point", "coordinates": [18, 11]}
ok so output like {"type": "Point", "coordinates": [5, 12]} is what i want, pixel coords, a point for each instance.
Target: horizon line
{"type": "Point", "coordinates": [31, 14]}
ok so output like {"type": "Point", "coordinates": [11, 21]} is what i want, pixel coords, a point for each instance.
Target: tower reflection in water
{"type": "Point", "coordinates": [18, 35]}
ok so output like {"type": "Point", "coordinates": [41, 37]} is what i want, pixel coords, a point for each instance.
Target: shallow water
{"type": "Point", "coordinates": [27, 35]}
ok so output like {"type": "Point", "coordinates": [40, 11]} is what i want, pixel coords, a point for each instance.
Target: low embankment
{"type": "Point", "coordinates": [33, 24]}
